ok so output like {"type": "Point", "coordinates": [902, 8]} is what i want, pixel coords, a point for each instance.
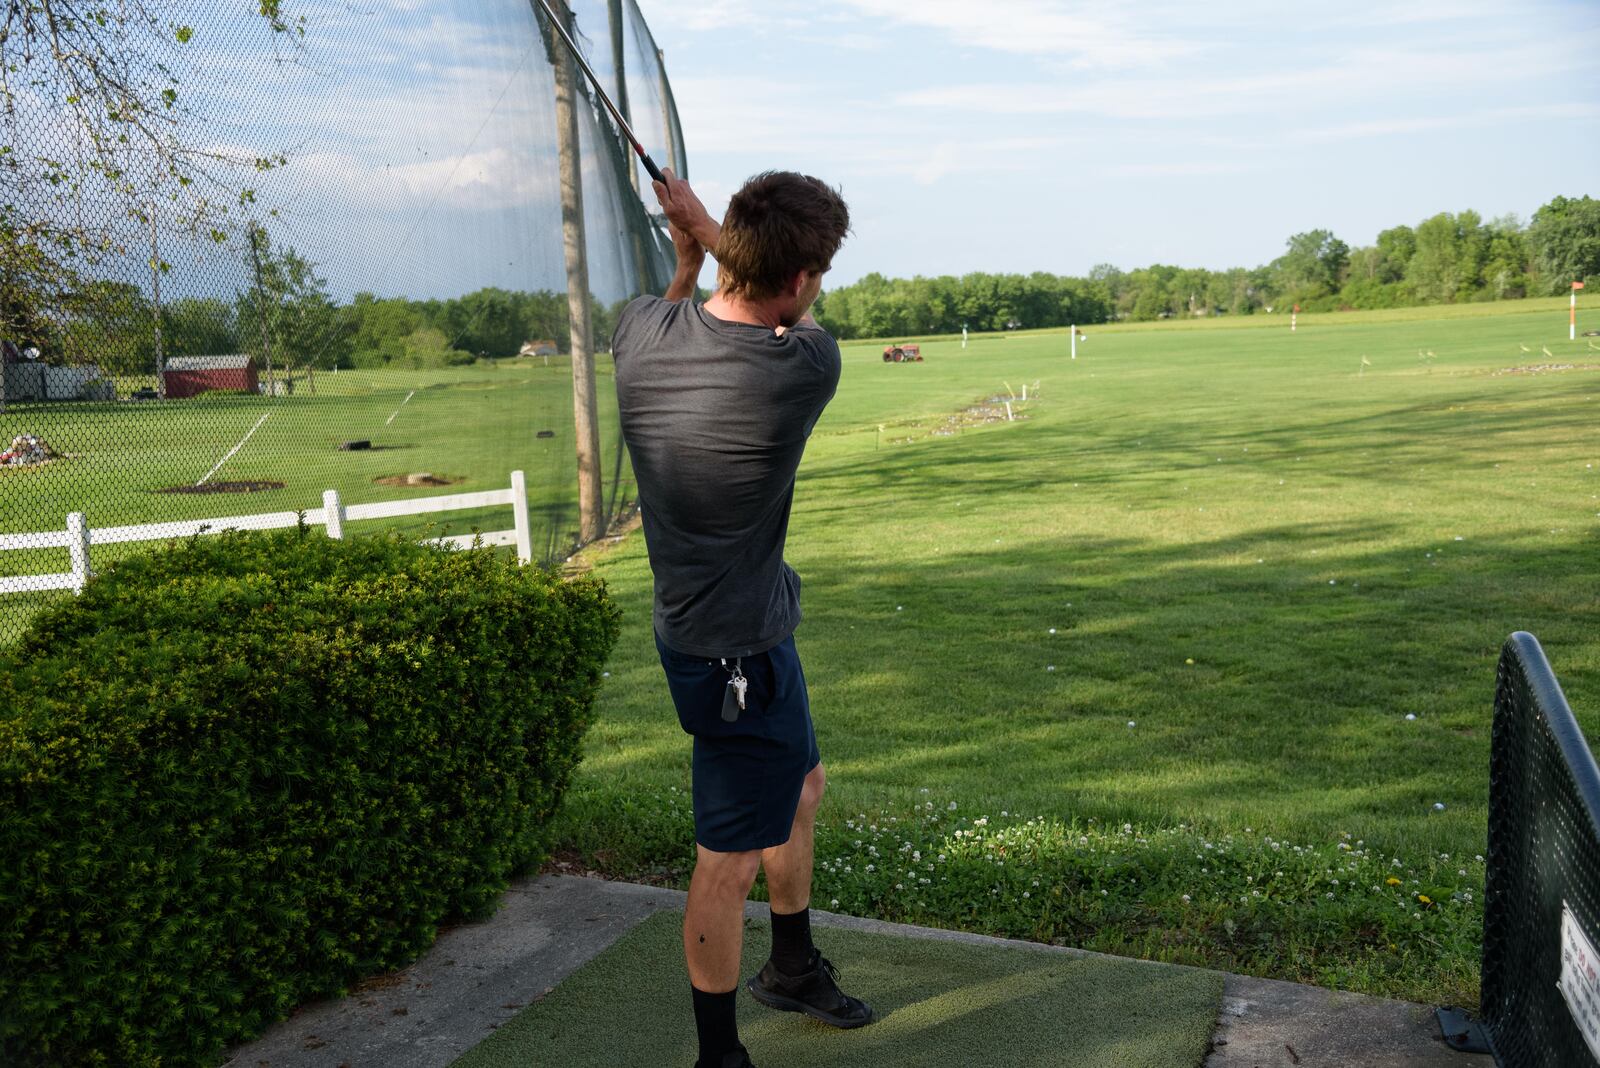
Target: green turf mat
{"type": "Point", "coordinates": [940, 1003]}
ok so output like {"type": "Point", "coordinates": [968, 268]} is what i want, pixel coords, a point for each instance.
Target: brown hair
{"type": "Point", "coordinates": [779, 224]}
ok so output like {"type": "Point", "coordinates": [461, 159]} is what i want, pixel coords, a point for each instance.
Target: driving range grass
{"type": "Point", "coordinates": [1133, 672]}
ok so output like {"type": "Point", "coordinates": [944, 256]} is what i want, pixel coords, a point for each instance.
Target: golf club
{"type": "Point", "coordinates": [561, 31]}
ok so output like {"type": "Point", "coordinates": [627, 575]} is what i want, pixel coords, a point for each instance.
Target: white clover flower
{"type": "Point", "coordinates": [1185, 899]}
{"type": "Point", "coordinates": [835, 903]}
{"type": "Point", "coordinates": [1024, 893]}
{"type": "Point", "coordinates": [952, 806]}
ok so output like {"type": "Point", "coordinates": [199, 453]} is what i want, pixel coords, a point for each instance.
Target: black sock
{"type": "Point", "coordinates": [714, 1019]}
{"type": "Point", "coordinates": [791, 941]}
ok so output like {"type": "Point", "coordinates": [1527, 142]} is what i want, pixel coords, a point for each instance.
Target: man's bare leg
{"type": "Point", "coordinates": [789, 866]}
{"type": "Point", "coordinates": [796, 979]}
{"type": "Point", "coordinates": [713, 920]}
{"type": "Point", "coordinates": [713, 934]}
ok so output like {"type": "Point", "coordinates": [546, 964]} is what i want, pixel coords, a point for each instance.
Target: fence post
{"type": "Point", "coordinates": [78, 546]}
{"type": "Point", "coordinates": [333, 513]}
{"type": "Point", "coordinates": [519, 511]}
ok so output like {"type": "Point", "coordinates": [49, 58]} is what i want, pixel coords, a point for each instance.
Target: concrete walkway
{"type": "Point", "coordinates": [476, 977]}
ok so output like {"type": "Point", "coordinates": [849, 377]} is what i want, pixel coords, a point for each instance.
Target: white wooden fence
{"type": "Point", "coordinates": [79, 536]}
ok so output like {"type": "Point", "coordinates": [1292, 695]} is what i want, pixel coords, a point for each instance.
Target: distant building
{"type": "Point", "coordinates": [542, 347]}
{"type": "Point", "coordinates": [189, 376]}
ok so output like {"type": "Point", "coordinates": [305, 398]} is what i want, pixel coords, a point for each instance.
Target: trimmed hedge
{"type": "Point", "coordinates": [250, 769]}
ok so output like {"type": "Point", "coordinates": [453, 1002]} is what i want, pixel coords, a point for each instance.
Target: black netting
{"type": "Point", "coordinates": [1544, 859]}
{"type": "Point", "coordinates": [248, 258]}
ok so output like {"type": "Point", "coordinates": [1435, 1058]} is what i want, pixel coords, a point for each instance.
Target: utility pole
{"type": "Point", "coordinates": [155, 293]}
{"type": "Point", "coordinates": [256, 237]}
{"type": "Point", "coordinates": [586, 423]}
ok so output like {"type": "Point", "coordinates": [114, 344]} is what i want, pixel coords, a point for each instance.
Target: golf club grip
{"type": "Point", "coordinates": [650, 165]}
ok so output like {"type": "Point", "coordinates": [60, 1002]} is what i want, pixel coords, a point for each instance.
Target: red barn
{"type": "Point", "coordinates": [189, 376]}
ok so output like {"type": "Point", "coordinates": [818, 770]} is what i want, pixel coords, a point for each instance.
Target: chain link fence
{"type": "Point", "coordinates": [251, 253]}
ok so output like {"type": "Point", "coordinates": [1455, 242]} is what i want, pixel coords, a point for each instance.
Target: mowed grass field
{"type": "Point", "coordinates": [470, 426]}
{"type": "Point", "coordinates": [1134, 671]}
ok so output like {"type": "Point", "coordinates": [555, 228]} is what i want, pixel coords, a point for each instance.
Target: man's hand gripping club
{"type": "Point", "coordinates": [694, 232]}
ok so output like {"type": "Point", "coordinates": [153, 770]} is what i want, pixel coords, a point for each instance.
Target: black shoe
{"type": "Point", "coordinates": [814, 992]}
{"type": "Point", "coordinates": [738, 1058]}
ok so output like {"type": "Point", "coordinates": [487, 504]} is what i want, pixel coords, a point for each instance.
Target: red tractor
{"type": "Point", "coordinates": [902, 354]}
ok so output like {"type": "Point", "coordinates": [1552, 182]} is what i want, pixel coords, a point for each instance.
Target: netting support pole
{"type": "Point", "coordinates": [619, 62]}
{"type": "Point", "coordinates": [591, 518]}
{"type": "Point", "coordinates": [666, 115]}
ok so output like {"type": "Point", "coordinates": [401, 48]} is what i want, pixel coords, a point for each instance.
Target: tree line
{"type": "Point", "coordinates": [287, 317]}
{"type": "Point", "coordinates": [1448, 258]}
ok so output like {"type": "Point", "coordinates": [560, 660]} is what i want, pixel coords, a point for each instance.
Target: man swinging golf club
{"type": "Point", "coordinates": [716, 402]}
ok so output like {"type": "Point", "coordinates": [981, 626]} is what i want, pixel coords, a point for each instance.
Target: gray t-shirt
{"type": "Point", "coordinates": [716, 415]}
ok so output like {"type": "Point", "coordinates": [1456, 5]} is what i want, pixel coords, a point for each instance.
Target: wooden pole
{"type": "Point", "coordinates": [619, 64]}
{"type": "Point", "coordinates": [591, 518]}
{"type": "Point", "coordinates": [680, 167]}
{"type": "Point", "coordinates": [641, 259]}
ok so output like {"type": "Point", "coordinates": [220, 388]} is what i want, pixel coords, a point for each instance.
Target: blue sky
{"type": "Point", "coordinates": [1022, 135]}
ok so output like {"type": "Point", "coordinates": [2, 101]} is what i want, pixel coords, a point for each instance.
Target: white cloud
{"type": "Point", "coordinates": [1090, 35]}
{"type": "Point", "coordinates": [1191, 168]}
{"type": "Point", "coordinates": [1360, 76]}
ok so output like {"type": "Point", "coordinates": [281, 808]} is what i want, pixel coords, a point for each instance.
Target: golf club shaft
{"type": "Point", "coordinates": [561, 31]}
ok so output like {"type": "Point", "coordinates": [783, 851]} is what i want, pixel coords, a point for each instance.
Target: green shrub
{"type": "Point", "coordinates": [249, 769]}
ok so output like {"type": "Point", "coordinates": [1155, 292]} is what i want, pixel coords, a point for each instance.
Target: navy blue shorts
{"type": "Point", "coordinates": [747, 774]}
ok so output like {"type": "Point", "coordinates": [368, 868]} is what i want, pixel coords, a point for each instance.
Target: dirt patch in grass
{"type": "Point", "coordinates": [244, 486]}
{"type": "Point", "coordinates": [417, 480]}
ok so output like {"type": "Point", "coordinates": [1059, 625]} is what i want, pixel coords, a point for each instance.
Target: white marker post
{"type": "Point", "coordinates": [1572, 317]}
{"type": "Point", "coordinates": [1074, 341]}
{"type": "Point", "coordinates": [963, 335]}
{"type": "Point", "coordinates": [1294, 315]}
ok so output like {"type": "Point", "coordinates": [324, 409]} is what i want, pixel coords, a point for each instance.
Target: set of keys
{"type": "Point", "coordinates": [733, 702]}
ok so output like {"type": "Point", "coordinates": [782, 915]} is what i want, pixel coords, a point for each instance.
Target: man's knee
{"type": "Point", "coordinates": [730, 871]}
{"type": "Point", "coordinates": [815, 786]}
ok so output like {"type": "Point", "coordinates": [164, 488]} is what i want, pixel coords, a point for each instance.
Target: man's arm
{"type": "Point", "coordinates": [691, 256]}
